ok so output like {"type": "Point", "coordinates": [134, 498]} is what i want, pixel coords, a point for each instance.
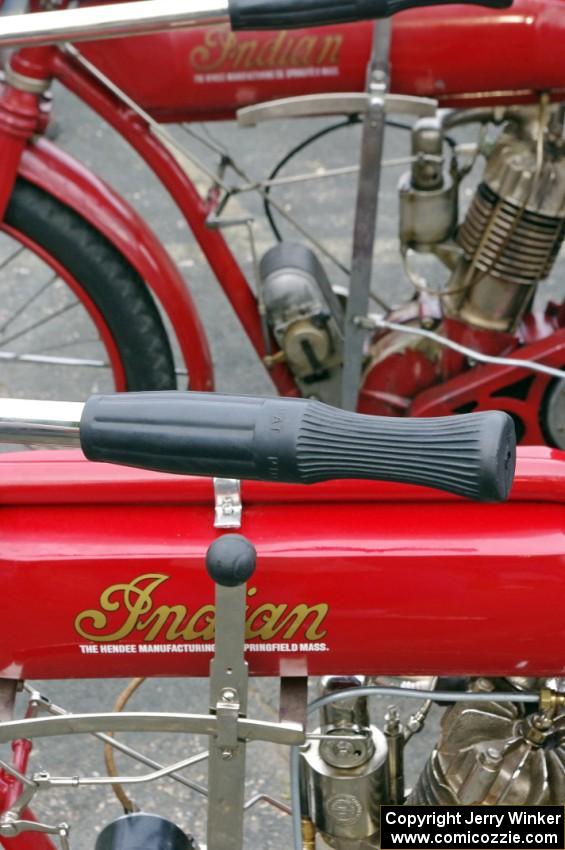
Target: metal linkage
{"type": "Point", "coordinates": [50, 707]}
{"type": "Point", "coordinates": [10, 828]}
{"type": "Point", "coordinates": [374, 322]}
{"type": "Point", "coordinates": [364, 232]}
{"type": "Point", "coordinates": [231, 563]}
{"type": "Point", "coordinates": [41, 702]}
{"type": "Point", "coordinates": [198, 724]}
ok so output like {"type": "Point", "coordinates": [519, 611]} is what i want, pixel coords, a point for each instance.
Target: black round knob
{"type": "Point", "coordinates": [231, 560]}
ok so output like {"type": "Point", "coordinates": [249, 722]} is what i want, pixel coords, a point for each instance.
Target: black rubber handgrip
{"type": "Point", "coordinates": [298, 441]}
{"type": "Point", "coordinates": [292, 14]}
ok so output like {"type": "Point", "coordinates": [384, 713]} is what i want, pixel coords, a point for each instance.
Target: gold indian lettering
{"type": "Point", "coordinates": [128, 608]}
{"type": "Point", "coordinates": [223, 49]}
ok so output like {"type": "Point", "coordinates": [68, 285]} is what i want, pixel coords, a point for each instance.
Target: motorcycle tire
{"type": "Point", "coordinates": [89, 272]}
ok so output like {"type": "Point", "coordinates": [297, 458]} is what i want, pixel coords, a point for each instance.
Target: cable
{"type": "Point", "coordinates": [288, 157]}
{"type": "Point", "coordinates": [349, 122]}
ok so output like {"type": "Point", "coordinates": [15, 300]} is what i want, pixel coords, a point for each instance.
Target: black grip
{"type": "Point", "coordinates": [292, 14]}
{"type": "Point", "coordinates": [298, 441]}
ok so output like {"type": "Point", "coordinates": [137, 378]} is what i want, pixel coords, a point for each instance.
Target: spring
{"type": "Point", "coordinates": [506, 241]}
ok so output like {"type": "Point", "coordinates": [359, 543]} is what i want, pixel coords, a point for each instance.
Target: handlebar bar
{"type": "Point", "coordinates": [291, 14]}
{"type": "Point", "coordinates": [299, 441]}
{"type": "Point", "coordinates": [148, 16]}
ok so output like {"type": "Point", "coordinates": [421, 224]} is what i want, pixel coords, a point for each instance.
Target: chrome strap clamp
{"type": "Point", "coordinates": [228, 506]}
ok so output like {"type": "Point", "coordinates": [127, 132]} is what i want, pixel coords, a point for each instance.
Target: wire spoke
{"type": "Point", "coordinates": [12, 257]}
{"type": "Point", "coordinates": [68, 344]}
{"type": "Point", "coordinates": [29, 301]}
{"type": "Point", "coordinates": [46, 360]}
{"type": "Point", "coordinates": [40, 322]}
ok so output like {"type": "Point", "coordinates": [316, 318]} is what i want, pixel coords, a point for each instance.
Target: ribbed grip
{"type": "Point", "coordinates": [472, 455]}
{"type": "Point", "coordinates": [291, 14]}
{"type": "Point", "coordinates": [297, 441]}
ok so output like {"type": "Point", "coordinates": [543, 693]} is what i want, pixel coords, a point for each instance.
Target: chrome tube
{"type": "Point", "coordinates": [122, 19]}
{"type": "Point", "coordinates": [38, 422]}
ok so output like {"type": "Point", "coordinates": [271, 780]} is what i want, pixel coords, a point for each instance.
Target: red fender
{"type": "Point", "coordinates": [54, 171]}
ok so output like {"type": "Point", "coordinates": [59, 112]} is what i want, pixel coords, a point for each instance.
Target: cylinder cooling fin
{"type": "Point", "coordinates": [506, 241]}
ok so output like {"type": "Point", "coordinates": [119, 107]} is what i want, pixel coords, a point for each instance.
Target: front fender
{"type": "Point", "coordinates": [62, 176]}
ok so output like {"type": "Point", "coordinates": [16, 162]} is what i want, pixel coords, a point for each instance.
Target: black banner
{"type": "Point", "coordinates": [472, 827]}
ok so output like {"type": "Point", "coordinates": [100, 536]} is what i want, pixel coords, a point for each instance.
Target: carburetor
{"type": "Point", "coordinates": [344, 773]}
{"type": "Point", "coordinates": [428, 193]}
{"type": "Point", "coordinates": [302, 310]}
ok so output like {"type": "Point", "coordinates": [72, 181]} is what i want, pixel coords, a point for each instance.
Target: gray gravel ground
{"type": "Point", "coordinates": [329, 212]}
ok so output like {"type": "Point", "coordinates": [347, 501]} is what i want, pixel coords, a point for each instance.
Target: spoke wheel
{"type": "Point", "coordinates": [75, 317]}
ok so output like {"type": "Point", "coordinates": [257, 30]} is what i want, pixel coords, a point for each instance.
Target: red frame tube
{"type": "Point", "coordinates": [185, 195]}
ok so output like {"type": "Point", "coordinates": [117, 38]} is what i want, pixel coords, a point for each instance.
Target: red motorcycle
{"type": "Point", "coordinates": [478, 340]}
{"type": "Point", "coordinates": [114, 572]}
{"type": "Point", "coordinates": [407, 591]}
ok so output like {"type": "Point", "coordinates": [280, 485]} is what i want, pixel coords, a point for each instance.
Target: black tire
{"type": "Point", "coordinates": [113, 285]}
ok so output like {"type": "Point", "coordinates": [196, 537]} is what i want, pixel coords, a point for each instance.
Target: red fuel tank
{"type": "Point", "coordinates": [462, 55]}
{"type": "Point", "coordinates": [102, 574]}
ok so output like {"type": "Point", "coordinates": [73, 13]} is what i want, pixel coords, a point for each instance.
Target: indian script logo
{"type": "Point", "coordinates": [224, 50]}
{"type": "Point", "coordinates": [125, 609]}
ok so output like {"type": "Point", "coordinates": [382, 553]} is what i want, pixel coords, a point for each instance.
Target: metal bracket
{"type": "Point", "coordinates": [350, 103]}
{"type": "Point", "coordinates": [228, 699]}
{"type": "Point", "coordinates": [229, 509]}
{"type": "Point", "coordinates": [8, 690]}
{"type": "Point", "coordinates": [12, 828]}
{"type": "Point", "coordinates": [294, 700]}
{"type": "Point", "coordinates": [366, 215]}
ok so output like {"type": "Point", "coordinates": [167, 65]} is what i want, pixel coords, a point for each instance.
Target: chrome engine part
{"type": "Point", "coordinates": [495, 754]}
{"type": "Point", "coordinates": [514, 228]}
{"type": "Point", "coordinates": [344, 774]}
{"type": "Point", "coordinates": [302, 310]}
{"type": "Point", "coordinates": [428, 194]}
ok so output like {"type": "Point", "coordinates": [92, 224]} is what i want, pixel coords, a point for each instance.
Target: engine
{"type": "Point", "coordinates": [491, 754]}
{"type": "Point", "coordinates": [492, 261]}
{"type": "Point", "coordinates": [488, 753]}
{"type": "Point", "coordinates": [512, 233]}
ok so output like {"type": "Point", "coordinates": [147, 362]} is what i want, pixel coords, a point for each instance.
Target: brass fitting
{"type": "Point", "coordinates": [551, 701]}
{"type": "Point", "coordinates": [308, 834]}
{"type": "Point", "coordinates": [271, 360]}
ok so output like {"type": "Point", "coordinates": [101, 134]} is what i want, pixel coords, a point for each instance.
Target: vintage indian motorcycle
{"type": "Point", "coordinates": [124, 572]}
{"type": "Point", "coordinates": [450, 349]}
{"type": "Point", "coordinates": [461, 602]}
